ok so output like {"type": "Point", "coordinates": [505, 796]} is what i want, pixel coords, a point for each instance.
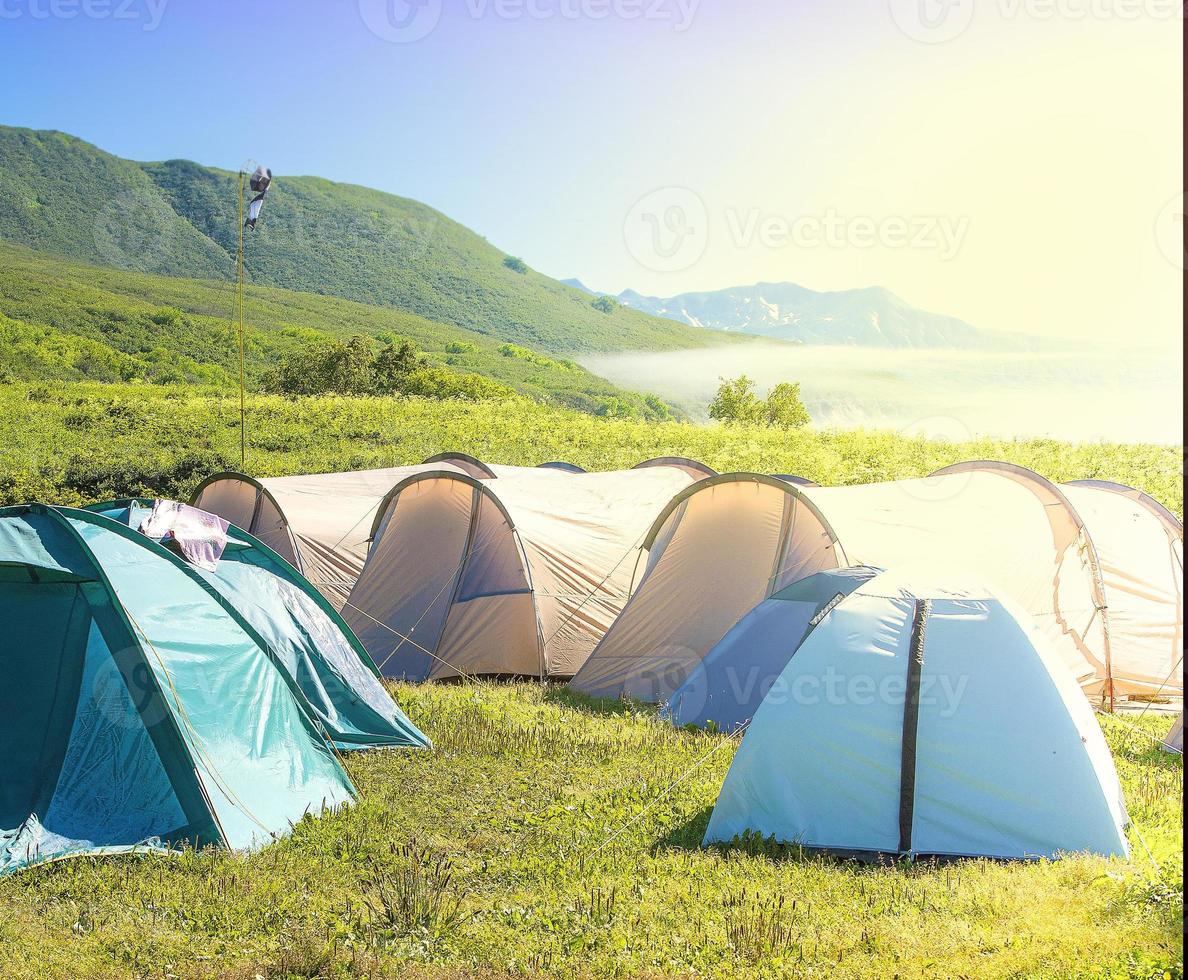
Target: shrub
{"type": "Point", "coordinates": [168, 316]}
{"type": "Point", "coordinates": [784, 407]}
{"type": "Point", "coordinates": [736, 402]}
{"type": "Point", "coordinates": [352, 369]}
{"type": "Point", "coordinates": [515, 264]}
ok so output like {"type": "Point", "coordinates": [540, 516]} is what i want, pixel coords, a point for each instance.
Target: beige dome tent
{"type": "Point", "coordinates": [464, 462]}
{"type": "Point", "coordinates": [1140, 554]}
{"type": "Point", "coordinates": [558, 464]}
{"type": "Point", "coordinates": [518, 575]}
{"type": "Point", "coordinates": [1008, 524]}
{"type": "Point", "coordinates": [1133, 550]}
{"type": "Point", "coordinates": [695, 468]}
{"type": "Point", "coordinates": [719, 548]}
{"type": "Point", "coordinates": [319, 523]}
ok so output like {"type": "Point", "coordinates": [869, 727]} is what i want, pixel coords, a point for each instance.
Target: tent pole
{"type": "Point", "coordinates": [239, 271]}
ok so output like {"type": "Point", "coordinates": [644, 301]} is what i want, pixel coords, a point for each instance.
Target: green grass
{"type": "Point", "coordinates": [541, 837]}
{"type": "Point", "coordinates": [555, 836]}
{"type": "Point", "coordinates": [72, 443]}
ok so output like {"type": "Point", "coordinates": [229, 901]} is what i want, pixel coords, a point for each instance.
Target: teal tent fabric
{"type": "Point", "coordinates": [138, 710]}
{"type": "Point", "coordinates": [306, 635]}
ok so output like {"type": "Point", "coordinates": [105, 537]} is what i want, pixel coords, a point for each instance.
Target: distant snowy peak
{"type": "Point", "coordinates": [872, 317]}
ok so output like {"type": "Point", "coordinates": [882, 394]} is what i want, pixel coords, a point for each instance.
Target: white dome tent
{"type": "Point", "coordinates": [915, 756]}
{"type": "Point", "coordinates": [520, 575]}
{"type": "Point", "coordinates": [723, 546]}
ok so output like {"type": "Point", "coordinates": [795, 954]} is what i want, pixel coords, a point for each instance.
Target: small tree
{"type": "Point", "coordinates": [516, 264]}
{"type": "Point", "coordinates": [784, 407]}
{"type": "Point", "coordinates": [604, 304]}
{"type": "Point", "coordinates": [300, 372]}
{"type": "Point", "coordinates": [394, 366]}
{"type": "Point", "coordinates": [350, 368]}
{"type": "Point", "coordinates": [736, 401]}
{"type": "Point", "coordinates": [325, 368]}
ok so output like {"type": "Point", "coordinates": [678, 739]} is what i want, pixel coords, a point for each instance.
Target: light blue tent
{"type": "Point", "coordinates": [138, 709]}
{"type": "Point", "coordinates": [921, 719]}
{"type": "Point", "coordinates": [726, 688]}
{"type": "Point", "coordinates": [306, 635]}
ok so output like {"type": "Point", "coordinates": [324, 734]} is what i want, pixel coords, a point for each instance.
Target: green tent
{"type": "Point", "coordinates": [305, 633]}
{"type": "Point", "coordinates": [138, 709]}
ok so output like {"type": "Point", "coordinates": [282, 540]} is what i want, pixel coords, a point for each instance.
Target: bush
{"type": "Point", "coordinates": [168, 316]}
{"type": "Point", "coordinates": [605, 304]}
{"type": "Point", "coordinates": [784, 407]}
{"type": "Point", "coordinates": [736, 402]}
{"type": "Point", "coordinates": [352, 368]}
{"type": "Point", "coordinates": [516, 264]}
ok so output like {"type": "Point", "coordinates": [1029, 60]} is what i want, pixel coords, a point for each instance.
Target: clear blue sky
{"type": "Point", "coordinates": [1049, 146]}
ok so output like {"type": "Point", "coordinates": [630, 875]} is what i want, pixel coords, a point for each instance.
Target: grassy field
{"type": "Point", "coordinates": [72, 443]}
{"type": "Point", "coordinates": [548, 835]}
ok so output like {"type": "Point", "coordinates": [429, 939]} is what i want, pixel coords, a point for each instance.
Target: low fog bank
{"type": "Point", "coordinates": [1082, 395]}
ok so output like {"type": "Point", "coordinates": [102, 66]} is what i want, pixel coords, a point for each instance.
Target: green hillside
{"type": "Point", "coordinates": [68, 321]}
{"type": "Point", "coordinates": [62, 195]}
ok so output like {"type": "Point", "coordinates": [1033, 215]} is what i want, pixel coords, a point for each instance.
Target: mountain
{"type": "Point", "coordinates": [871, 317]}
{"type": "Point", "coordinates": [177, 218]}
{"type": "Point", "coordinates": [62, 320]}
